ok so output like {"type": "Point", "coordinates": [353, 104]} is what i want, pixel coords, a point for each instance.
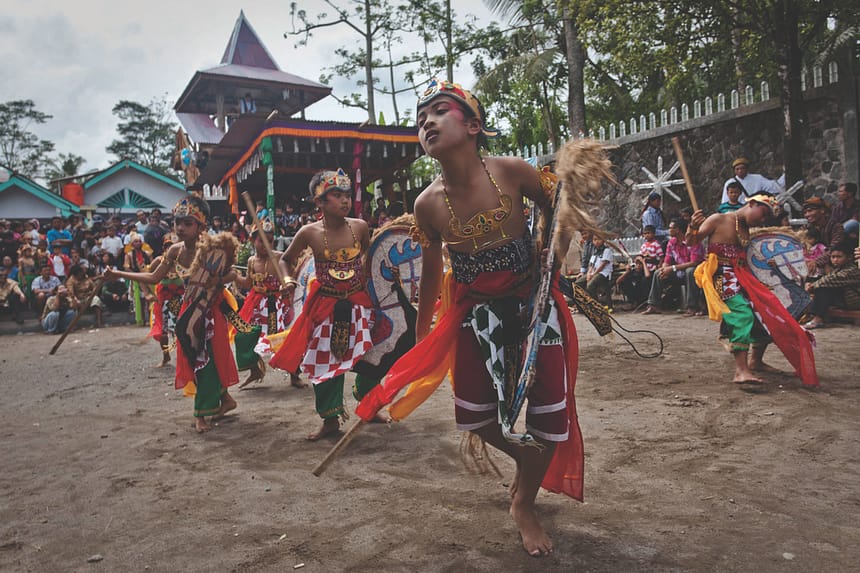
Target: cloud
{"type": "Point", "coordinates": [76, 60]}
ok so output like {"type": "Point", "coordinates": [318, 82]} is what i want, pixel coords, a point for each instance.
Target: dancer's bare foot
{"type": "Point", "coordinates": [329, 426]}
{"type": "Point", "coordinates": [201, 425]}
{"type": "Point", "coordinates": [227, 404]}
{"type": "Point", "coordinates": [746, 378]}
{"type": "Point", "coordinates": [535, 540]}
{"type": "Point", "coordinates": [380, 418]}
{"type": "Point", "coordinates": [758, 366]}
{"type": "Point", "coordinates": [297, 382]}
{"type": "Point", "coordinates": [165, 359]}
{"type": "Point", "coordinates": [256, 375]}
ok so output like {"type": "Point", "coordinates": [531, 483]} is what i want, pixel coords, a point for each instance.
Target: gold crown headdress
{"type": "Point", "coordinates": [332, 180]}
{"type": "Point", "coordinates": [187, 208]}
{"type": "Point", "coordinates": [766, 199]}
{"type": "Point", "coordinates": [265, 224]}
{"type": "Point", "coordinates": [438, 87]}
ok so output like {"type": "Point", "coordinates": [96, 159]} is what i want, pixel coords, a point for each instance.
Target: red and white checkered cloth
{"type": "Point", "coordinates": [320, 364]}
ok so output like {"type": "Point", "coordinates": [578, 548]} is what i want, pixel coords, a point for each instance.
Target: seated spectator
{"type": "Point", "coordinates": [597, 279]}
{"type": "Point", "coordinates": [115, 295]}
{"type": "Point", "coordinates": [586, 250]}
{"type": "Point", "coordinates": [76, 259]}
{"type": "Point", "coordinates": [81, 287]}
{"type": "Point", "coordinates": [840, 287]}
{"type": "Point", "coordinates": [103, 261]}
{"type": "Point", "coordinates": [60, 262]}
{"type": "Point", "coordinates": [635, 283]}
{"type": "Point", "coordinates": [666, 282]}
{"type": "Point", "coordinates": [733, 190]}
{"type": "Point", "coordinates": [846, 211]}
{"type": "Point", "coordinates": [59, 312]}
{"type": "Point", "coordinates": [41, 254]}
{"type": "Point", "coordinates": [832, 233]}
{"type": "Point", "coordinates": [381, 217]}
{"type": "Point", "coordinates": [12, 298]}
{"type": "Point", "coordinates": [43, 286]}
{"type": "Point", "coordinates": [11, 267]}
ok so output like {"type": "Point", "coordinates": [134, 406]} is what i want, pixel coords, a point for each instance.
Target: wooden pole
{"type": "Point", "coordinates": [263, 237]}
{"type": "Point", "coordinates": [338, 447]}
{"type": "Point", "coordinates": [84, 307]}
{"type": "Point", "coordinates": [680, 156]}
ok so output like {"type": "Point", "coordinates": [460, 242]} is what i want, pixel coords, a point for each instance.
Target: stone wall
{"type": "Point", "coordinates": [710, 143]}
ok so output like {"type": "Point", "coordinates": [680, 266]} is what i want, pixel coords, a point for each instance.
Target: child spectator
{"type": "Point", "coordinates": [27, 269]}
{"type": "Point", "coordinates": [58, 313]}
{"type": "Point", "coordinates": [43, 286]}
{"type": "Point", "coordinates": [840, 287]}
{"type": "Point", "coordinates": [651, 250]}
{"type": "Point", "coordinates": [60, 263]}
{"type": "Point", "coordinates": [733, 190]}
{"type": "Point", "coordinates": [58, 233]}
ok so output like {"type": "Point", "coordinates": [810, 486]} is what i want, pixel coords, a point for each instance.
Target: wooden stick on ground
{"type": "Point", "coordinates": [338, 447]}
{"type": "Point", "coordinates": [82, 310]}
{"type": "Point", "coordinates": [252, 211]}
{"type": "Point", "coordinates": [677, 146]}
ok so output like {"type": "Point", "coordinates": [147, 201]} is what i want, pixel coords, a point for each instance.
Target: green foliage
{"type": "Point", "coordinates": [21, 150]}
{"type": "Point", "coordinates": [64, 165]}
{"type": "Point", "coordinates": [146, 134]}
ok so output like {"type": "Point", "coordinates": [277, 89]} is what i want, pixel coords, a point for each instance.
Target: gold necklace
{"type": "Point", "coordinates": [482, 223]}
{"type": "Point", "coordinates": [345, 253]}
{"type": "Point", "coordinates": [741, 240]}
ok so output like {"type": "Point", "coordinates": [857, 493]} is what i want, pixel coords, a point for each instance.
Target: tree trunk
{"type": "Point", "coordinates": [791, 96]}
{"type": "Point", "coordinates": [575, 56]}
{"type": "Point", "coordinates": [368, 64]}
{"type": "Point", "coordinates": [449, 42]}
{"type": "Point", "coordinates": [737, 57]}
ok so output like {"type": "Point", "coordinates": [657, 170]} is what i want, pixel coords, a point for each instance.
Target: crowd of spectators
{"type": "Point", "coordinates": [49, 267]}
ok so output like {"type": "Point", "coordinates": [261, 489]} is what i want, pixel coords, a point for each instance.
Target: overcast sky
{"type": "Point", "coordinates": [77, 58]}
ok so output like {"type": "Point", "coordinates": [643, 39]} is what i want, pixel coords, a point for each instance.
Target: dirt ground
{"type": "Point", "coordinates": [684, 471]}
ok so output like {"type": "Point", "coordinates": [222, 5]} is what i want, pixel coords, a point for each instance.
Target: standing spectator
{"type": "Point", "coordinates": [142, 221]}
{"type": "Point", "coordinates": [217, 226]}
{"type": "Point", "coordinates": [846, 211]}
{"type": "Point", "coordinates": [751, 183]}
{"type": "Point", "coordinates": [9, 240]}
{"type": "Point", "coordinates": [58, 313]}
{"type": "Point", "coordinates": [651, 250]}
{"type": "Point", "coordinates": [58, 233]}
{"type": "Point", "coordinates": [60, 263]}
{"type": "Point", "coordinates": [111, 243]}
{"type": "Point", "coordinates": [43, 286]}
{"type": "Point", "coordinates": [76, 228]}
{"type": "Point", "coordinates": [733, 190]}
{"type": "Point", "coordinates": [31, 234]}
{"type": "Point", "coordinates": [292, 220]}
{"type": "Point", "coordinates": [27, 269]}
{"type": "Point", "coordinates": [154, 233]}
{"type": "Point", "coordinates": [652, 216]}
{"type": "Point", "coordinates": [12, 298]}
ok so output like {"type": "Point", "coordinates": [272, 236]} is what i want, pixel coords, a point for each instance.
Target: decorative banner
{"type": "Point", "coordinates": [775, 257]}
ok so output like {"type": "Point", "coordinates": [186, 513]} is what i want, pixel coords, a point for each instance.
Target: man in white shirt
{"type": "Point", "coordinates": [112, 243]}
{"type": "Point", "coordinates": [753, 183]}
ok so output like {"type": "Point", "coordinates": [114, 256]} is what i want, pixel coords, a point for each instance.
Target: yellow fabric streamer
{"type": "Point", "coordinates": [421, 389]}
{"type": "Point", "coordinates": [705, 278]}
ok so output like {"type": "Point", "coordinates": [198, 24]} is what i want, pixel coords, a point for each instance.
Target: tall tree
{"type": "Point", "coordinates": [21, 150]}
{"type": "Point", "coordinates": [146, 134]}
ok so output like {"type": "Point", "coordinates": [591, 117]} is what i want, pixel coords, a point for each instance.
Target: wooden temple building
{"type": "Point", "coordinates": [243, 128]}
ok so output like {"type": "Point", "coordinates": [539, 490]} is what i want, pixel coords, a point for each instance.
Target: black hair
{"type": "Point", "coordinates": [75, 270]}
{"type": "Point", "coordinates": [649, 229]}
{"type": "Point", "coordinates": [734, 185]}
{"type": "Point", "coordinates": [844, 247]}
{"type": "Point", "coordinates": [680, 223]}
{"type": "Point", "coordinates": [850, 188]}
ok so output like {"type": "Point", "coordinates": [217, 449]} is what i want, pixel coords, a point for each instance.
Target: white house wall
{"type": "Point", "coordinates": [130, 178]}
{"type": "Point", "coordinates": [15, 203]}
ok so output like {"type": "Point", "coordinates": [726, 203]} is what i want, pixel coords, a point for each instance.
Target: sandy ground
{"type": "Point", "coordinates": [685, 472]}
